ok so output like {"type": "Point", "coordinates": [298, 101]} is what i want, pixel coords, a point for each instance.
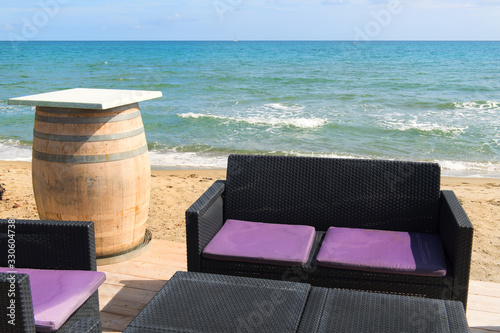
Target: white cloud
{"type": "Point", "coordinates": [175, 17]}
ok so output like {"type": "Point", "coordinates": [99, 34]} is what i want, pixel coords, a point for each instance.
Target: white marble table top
{"type": "Point", "coordinates": [85, 98]}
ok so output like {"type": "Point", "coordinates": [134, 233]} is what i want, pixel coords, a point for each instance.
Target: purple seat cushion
{"type": "Point", "coordinates": [57, 294]}
{"type": "Point", "coordinates": [262, 243]}
{"type": "Point", "coordinates": [383, 251]}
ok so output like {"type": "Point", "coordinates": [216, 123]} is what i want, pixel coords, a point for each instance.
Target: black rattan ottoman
{"type": "Point", "coordinates": [200, 302]}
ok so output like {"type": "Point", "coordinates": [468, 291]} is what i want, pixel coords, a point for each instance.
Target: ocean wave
{"type": "Point", "coordinates": [198, 115]}
{"type": "Point", "coordinates": [282, 107]}
{"type": "Point", "coordinates": [171, 158]}
{"type": "Point", "coordinates": [469, 169]}
{"type": "Point", "coordinates": [16, 109]}
{"type": "Point", "coordinates": [477, 105]}
{"type": "Point", "coordinates": [428, 127]}
{"type": "Point", "coordinates": [13, 150]}
{"type": "Point", "coordinates": [433, 105]}
{"type": "Point", "coordinates": [262, 118]}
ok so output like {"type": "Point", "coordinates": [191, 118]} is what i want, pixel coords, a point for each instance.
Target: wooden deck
{"type": "Point", "coordinates": [131, 284]}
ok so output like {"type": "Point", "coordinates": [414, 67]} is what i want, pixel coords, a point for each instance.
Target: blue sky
{"type": "Point", "coordinates": [250, 20]}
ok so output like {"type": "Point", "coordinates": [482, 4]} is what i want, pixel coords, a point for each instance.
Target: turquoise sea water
{"type": "Point", "coordinates": [422, 101]}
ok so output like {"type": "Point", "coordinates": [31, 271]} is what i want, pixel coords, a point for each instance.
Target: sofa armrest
{"type": "Point", "coordinates": [15, 289]}
{"type": "Point", "coordinates": [203, 220]}
{"type": "Point", "coordinates": [456, 233]}
{"type": "Point", "coordinates": [49, 244]}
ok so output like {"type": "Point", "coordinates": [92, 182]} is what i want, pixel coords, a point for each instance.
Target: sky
{"type": "Point", "coordinates": [249, 20]}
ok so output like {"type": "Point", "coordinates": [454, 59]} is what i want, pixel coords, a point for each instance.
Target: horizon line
{"type": "Point", "coordinates": [249, 40]}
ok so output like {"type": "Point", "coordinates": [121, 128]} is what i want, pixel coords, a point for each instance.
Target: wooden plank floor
{"type": "Point", "coordinates": [131, 284]}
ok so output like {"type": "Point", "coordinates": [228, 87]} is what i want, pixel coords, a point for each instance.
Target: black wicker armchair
{"type": "Point", "coordinates": [324, 192]}
{"type": "Point", "coordinates": [46, 245]}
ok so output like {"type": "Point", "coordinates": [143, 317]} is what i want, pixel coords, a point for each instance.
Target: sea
{"type": "Point", "coordinates": [394, 100]}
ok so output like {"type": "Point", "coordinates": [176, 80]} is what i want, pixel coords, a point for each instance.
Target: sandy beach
{"type": "Point", "coordinates": [172, 192]}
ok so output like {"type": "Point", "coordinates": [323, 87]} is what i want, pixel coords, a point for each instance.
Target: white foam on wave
{"type": "Point", "coordinates": [172, 159]}
{"type": "Point", "coordinates": [271, 114]}
{"type": "Point", "coordinates": [414, 124]}
{"type": "Point", "coordinates": [469, 169]}
{"type": "Point", "coordinates": [300, 122]}
{"type": "Point", "coordinates": [477, 105]}
{"type": "Point", "coordinates": [280, 122]}
{"type": "Point", "coordinates": [282, 107]}
{"type": "Point", "coordinates": [15, 109]}
{"type": "Point", "coordinates": [11, 150]}
{"type": "Point", "coordinates": [198, 115]}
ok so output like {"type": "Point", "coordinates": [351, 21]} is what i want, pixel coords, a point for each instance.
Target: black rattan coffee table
{"type": "Point", "coordinates": [199, 302]}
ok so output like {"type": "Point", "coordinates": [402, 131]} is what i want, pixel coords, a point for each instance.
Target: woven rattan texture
{"type": "Point", "coordinates": [311, 317]}
{"type": "Point", "coordinates": [456, 315]}
{"type": "Point", "coordinates": [206, 303]}
{"type": "Point", "coordinates": [194, 302]}
{"type": "Point", "coordinates": [86, 325]}
{"type": "Point", "coordinates": [351, 311]}
{"type": "Point", "coordinates": [457, 235]}
{"type": "Point", "coordinates": [390, 195]}
{"type": "Point", "coordinates": [86, 318]}
{"type": "Point", "coordinates": [49, 245]}
{"type": "Point", "coordinates": [203, 220]}
{"type": "Point", "coordinates": [23, 306]}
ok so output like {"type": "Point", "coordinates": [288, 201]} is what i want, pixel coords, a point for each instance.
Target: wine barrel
{"type": "Point", "coordinates": [93, 165]}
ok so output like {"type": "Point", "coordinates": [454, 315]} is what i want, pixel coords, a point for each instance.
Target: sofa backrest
{"type": "Point", "coordinates": [324, 192]}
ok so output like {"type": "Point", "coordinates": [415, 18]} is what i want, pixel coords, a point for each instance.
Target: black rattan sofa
{"type": "Point", "coordinates": [367, 194]}
{"type": "Point", "coordinates": [47, 245]}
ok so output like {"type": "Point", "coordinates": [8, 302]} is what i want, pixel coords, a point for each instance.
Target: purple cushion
{"type": "Point", "coordinates": [262, 243]}
{"type": "Point", "coordinates": [383, 251]}
{"type": "Point", "coordinates": [57, 294]}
